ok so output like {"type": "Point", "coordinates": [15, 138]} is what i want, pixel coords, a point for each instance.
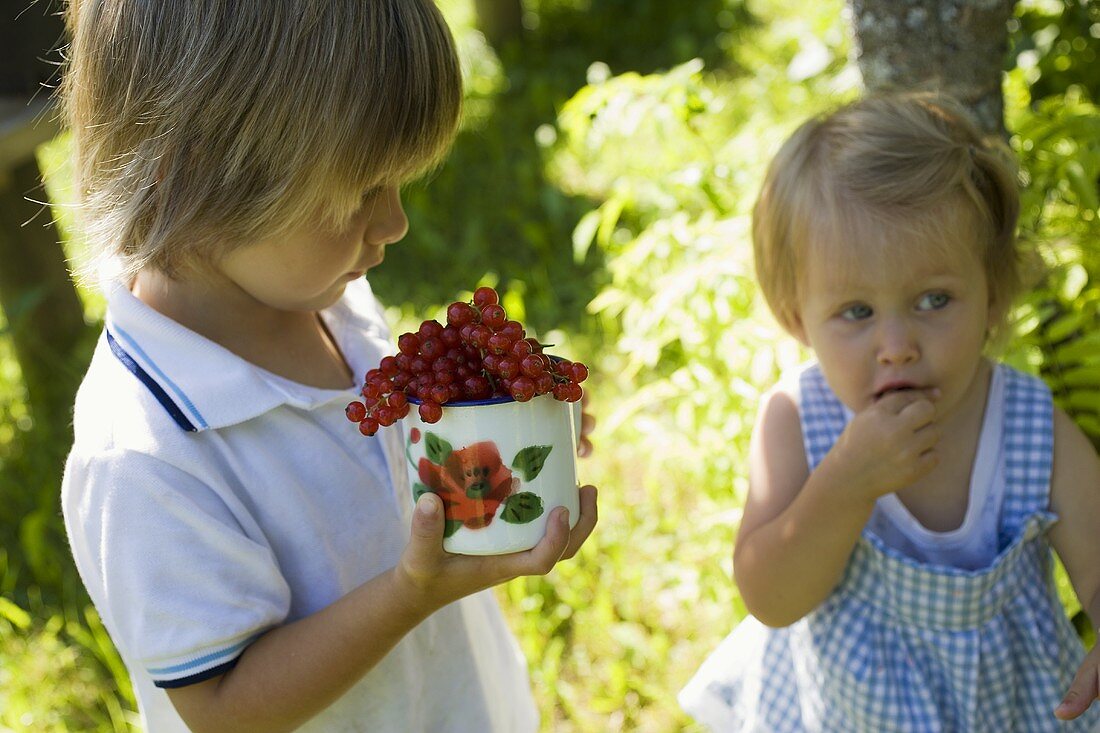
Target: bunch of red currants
{"type": "Point", "coordinates": [478, 355]}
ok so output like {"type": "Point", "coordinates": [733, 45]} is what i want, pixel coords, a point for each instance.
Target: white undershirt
{"type": "Point", "coordinates": [973, 544]}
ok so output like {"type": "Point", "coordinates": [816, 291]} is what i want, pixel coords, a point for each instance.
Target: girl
{"type": "Point", "coordinates": [257, 562]}
{"type": "Point", "coordinates": [905, 490]}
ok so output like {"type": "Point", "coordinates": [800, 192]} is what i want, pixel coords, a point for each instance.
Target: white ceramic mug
{"type": "Point", "coordinates": [500, 467]}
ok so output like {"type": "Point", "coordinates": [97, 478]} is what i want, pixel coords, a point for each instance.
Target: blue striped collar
{"type": "Point", "coordinates": [200, 384]}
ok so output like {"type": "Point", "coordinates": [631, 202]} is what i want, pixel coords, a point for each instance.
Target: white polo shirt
{"type": "Point", "coordinates": [208, 500]}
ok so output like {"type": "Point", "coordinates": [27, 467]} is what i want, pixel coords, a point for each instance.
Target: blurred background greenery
{"type": "Point", "coordinates": [602, 180]}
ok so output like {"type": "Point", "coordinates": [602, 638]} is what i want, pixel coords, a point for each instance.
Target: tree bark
{"type": "Point", "coordinates": [954, 46]}
{"type": "Point", "coordinates": [44, 314]}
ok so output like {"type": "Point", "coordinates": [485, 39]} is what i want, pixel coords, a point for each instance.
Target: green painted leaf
{"type": "Point", "coordinates": [419, 490]}
{"type": "Point", "coordinates": [438, 450]}
{"type": "Point", "coordinates": [451, 526]}
{"type": "Point", "coordinates": [530, 460]}
{"type": "Point", "coordinates": [522, 508]}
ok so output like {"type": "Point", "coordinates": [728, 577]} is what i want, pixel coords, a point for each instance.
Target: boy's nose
{"type": "Point", "coordinates": [388, 223]}
{"type": "Point", "coordinates": [896, 344]}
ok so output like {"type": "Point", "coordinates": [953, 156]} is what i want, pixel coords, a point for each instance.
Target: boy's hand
{"type": "Point", "coordinates": [887, 446]}
{"type": "Point", "coordinates": [434, 577]}
{"type": "Point", "coordinates": [588, 423]}
{"type": "Point", "coordinates": [1084, 689]}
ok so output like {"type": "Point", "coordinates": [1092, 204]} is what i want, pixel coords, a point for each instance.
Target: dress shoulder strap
{"type": "Point", "coordinates": [1028, 449]}
{"type": "Point", "coordinates": [821, 414]}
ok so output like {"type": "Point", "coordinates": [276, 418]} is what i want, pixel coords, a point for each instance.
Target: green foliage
{"type": "Point", "coordinates": [616, 207]}
{"type": "Point", "coordinates": [1056, 44]}
{"type": "Point", "coordinates": [490, 207]}
{"type": "Point", "coordinates": [58, 668]}
{"type": "Point", "coordinates": [1058, 140]}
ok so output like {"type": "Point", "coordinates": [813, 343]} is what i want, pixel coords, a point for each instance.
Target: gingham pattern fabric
{"type": "Point", "coordinates": [903, 646]}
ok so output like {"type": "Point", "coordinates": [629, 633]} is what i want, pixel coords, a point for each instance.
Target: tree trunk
{"type": "Point", "coordinates": [44, 314]}
{"type": "Point", "coordinates": [955, 46]}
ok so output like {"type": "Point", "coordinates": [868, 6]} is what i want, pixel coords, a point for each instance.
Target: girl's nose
{"type": "Point", "coordinates": [388, 223]}
{"type": "Point", "coordinates": [896, 344]}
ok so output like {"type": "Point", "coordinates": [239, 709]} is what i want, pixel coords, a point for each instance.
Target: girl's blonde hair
{"type": "Point", "coordinates": [199, 126]}
{"type": "Point", "coordinates": [906, 169]}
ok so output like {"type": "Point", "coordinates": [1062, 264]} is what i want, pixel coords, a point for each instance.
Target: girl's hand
{"type": "Point", "coordinates": [888, 446]}
{"type": "Point", "coordinates": [1083, 690]}
{"type": "Point", "coordinates": [433, 577]}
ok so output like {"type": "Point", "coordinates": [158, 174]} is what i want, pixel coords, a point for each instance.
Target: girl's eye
{"type": "Point", "coordinates": [933, 301]}
{"type": "Point", "coordinates": [856, 312]}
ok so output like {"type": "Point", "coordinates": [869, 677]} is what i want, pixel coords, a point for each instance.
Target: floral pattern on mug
{"type": "Point", "coordinates": [473, 482]}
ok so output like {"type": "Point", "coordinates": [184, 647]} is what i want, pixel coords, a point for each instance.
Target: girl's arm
{"type": "Point", "coordinates": [798, 528]}
{"type": "Point", "coordinates": [293, 672]}
{"type": "Point", "coordinates": [1075, 498]}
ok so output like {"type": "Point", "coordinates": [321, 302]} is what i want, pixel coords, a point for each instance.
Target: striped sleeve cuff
{"type": "Point", "coordinates": [200, 667]}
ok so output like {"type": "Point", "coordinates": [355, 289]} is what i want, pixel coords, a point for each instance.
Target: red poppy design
{"type": "Point", "coordinates": [414, 435]}
{"type": "Point", "coordinates": [472, 482]}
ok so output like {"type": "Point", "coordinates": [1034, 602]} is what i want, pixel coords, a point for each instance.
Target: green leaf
{"type": "Point", "coordinates": [1083, 185]}
{"type": "Point", "coordinates": [438, 450]}
{"type": "Point", "coordinates": [14, 614]}
{"type": "Point", "coordinates": [522, 508]}
{"type": "Point", "coordinates": [451, 526]}
{"type": "Point", "coordinates": [530, 460]}
{"type": "Point", "coordinates": [584, 234]}
{"type": "Point", "coordinates": [419, 490]}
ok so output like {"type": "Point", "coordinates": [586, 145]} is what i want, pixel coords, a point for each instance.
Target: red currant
{"type": "Point", "coordinates": [522, 389]}
{"type": "Point", "coordinates": [532, 365]}
{"type": "Point", "coordinates": [388, 366]}
{"type": "Point", "coordinates": [485, 296]}
{"type": "Point", "coordinates": [500, 344]}
{"type": "Point", "coordinates": [408, 343]}
{"type": "Point", "coordinates": [440, 393]}
{"type": "Point", "coordinates": [368, 426]}
{"type": "Point", "coordinates": [459, 314]}
{"type": "Point", "coordinates": [451, 336]}
{"type": "Point", "coordinates": [430, 329]}
{"type": "Point", "coordinates": [493, 316]}
{"type": "Point", "coordinates": [513, 330]}
{"type": "Point", "coordinates": [521, 349]}
{"type": "Point", "coordinates": [433, 347]}
{"type": "Point", "coordinates": [544, 383]}
{"type": "Point", "coordinates": [385, 415]}
{"type": "Point", "coordinates": [355, 411]}
{"type": "Point", "coordinates": [430, 412]}
{"type": "Point", "coordinates": [508, 368]}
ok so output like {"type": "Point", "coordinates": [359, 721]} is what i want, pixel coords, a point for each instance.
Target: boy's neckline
{"type": "Point", "coordinates": [296, 346]}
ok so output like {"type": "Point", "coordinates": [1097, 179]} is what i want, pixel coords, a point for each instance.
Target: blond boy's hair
{"type": "Point", "coordinates": [906, 169]}
{"type": "Point", "coordinates": [200, 126]}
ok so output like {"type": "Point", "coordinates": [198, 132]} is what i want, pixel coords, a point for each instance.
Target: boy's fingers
{"type": "Point", "coordinates": [559, 542]}
{"type": "Point", "coordinates": [541, 558]}
{"type": "Point", "coordinates": [584, 448]}
{"type": "Point", "coordinates": [585, 523]}
{"type": "Point", "coordinates": [1081, 694]}
{"type": "Point", "coordinates": [427, 525]}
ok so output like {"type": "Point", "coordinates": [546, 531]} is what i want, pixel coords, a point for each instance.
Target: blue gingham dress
{"type": "Point", "coordinates": [904, 646]}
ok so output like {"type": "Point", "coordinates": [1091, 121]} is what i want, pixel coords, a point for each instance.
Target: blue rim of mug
{"type": "Point", "coordinates": [469, 403]}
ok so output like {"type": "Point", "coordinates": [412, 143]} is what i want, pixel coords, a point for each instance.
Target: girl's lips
{"type": "Point", "coordinates": [895, 387]}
